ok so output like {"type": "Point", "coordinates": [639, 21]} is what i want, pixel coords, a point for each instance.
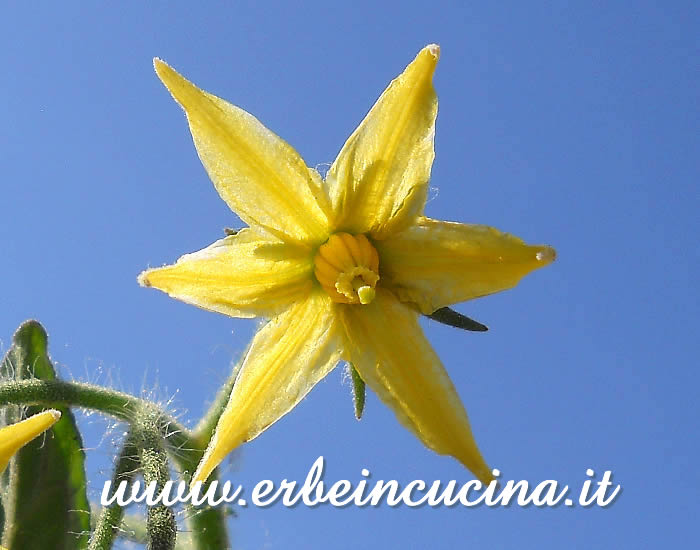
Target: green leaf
{"type": "Point", "coordinates": [358, 391]}
{"type": "Point", "coordinates": [44, 496]}
{"type": "Point", "coordinates": [448, 316]}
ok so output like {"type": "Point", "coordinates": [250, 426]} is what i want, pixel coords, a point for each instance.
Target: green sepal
{"type": "Point", "coordinates": [448, 316]}
{"type": "Point", "coordinates": [358, 391]}
{"type": "Point", "coordinates": [44, 491]}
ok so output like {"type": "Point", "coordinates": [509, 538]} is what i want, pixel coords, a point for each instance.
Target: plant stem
{"type": "Point", "coordinates": [160, 520]}
{"type": "Point", "coordinates": [110, 518]}
{"type": "Point", "coordinates": [56, 393]}
{"type": "Point", "coordinates": [207, 525]}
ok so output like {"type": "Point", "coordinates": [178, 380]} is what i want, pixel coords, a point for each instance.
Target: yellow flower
{"type": "Point", "coordinates": [341, 267]}
{"type": "Point", "coordinates": [16, 436]}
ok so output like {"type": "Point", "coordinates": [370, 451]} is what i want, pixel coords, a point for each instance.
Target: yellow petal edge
{"type": "Point", "coordinates": [259, 175]}
{"type": "Point", "coordinates": [243, 275]}
{"type": "Point", "coordinates": [287, 358]}
{"type": "Point", "coordinates": [435, 263]}
{"type": "Point", "coordinates": [16, 436]}
{"type": "Point", "coordinates": [388, 349]}
{"type": "Point", "coordinates": [379, 181]}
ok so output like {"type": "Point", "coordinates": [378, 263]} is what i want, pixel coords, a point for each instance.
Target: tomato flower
{"type": "Point", "coordinates": [341, 267]}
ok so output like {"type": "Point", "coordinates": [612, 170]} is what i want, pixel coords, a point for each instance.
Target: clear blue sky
{"type": "Point", "coordinates": [573, 124]}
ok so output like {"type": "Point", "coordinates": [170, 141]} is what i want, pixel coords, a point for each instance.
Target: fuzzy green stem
{"type": "Point", "coordinates": [160, 522]}
{"type": "Point", "coordinates": [207, 525]}
{"type": "Point", "coordinates": [208, 528]}
{"type": "Point", "coordinates": [110, 518]}
{"type": "Point", "coordinates": [133, 529]}
{"type": "Point", "coordinates": [56, 393]}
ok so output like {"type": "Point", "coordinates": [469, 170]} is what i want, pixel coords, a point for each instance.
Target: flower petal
{"type": "Point", "coordinates": [387, 347]}
{"type": "Point", "coordinates": [260, 176]}
{"type": "Point", "coordinates": [243, 275]}
{"type": "Point", "coordinates": [16, 436]}
{"type": "Point", "coordinates": [288, 356]}
{"type": "Point", "coordinates": [379, 181]}
{"type": "Point", "coordinates": [434, 263]}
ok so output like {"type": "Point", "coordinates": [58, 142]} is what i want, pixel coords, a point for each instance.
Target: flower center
{"type": "Point", "coordinates": [347, 266]}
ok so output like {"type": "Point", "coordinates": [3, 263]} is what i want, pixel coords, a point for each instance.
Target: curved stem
{"type": "Point", "coordinates": [55, 393]}
{"type": "Point", "coordinates": [208, 525]}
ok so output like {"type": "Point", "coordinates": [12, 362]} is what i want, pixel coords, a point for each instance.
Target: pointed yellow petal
{"type": "Point", "coordinates": [434, 263]}
{"type": "Point", "coordinates": [244, 275]}
{"type": "Point", "coordinates": [16, 436]}
{"type": "Point", "coordinates": [288, 356]}
{"type": "Point", "coordinates": [379, 181]}
{"type": "Point", "coordinates": [261, 177]}
{"type": "Point", "coordinates": [387, 347]}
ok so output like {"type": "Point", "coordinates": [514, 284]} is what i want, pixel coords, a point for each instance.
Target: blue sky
{"type": "Point", "coordinates": [572, 124]}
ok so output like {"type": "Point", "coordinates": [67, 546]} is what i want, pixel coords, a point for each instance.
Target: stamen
{"type": "Point", "coordinates": [347, 267]}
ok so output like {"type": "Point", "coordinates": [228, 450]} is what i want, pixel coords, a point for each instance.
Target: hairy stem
{"type": "Point", "coordinates": [207, 525]}
{"type": "Point", "coordinates": [107, 526]}
{"type": "Point", "coordinates": [56, 393]}
{"type": "Point", "coordinates": [160, 520]}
